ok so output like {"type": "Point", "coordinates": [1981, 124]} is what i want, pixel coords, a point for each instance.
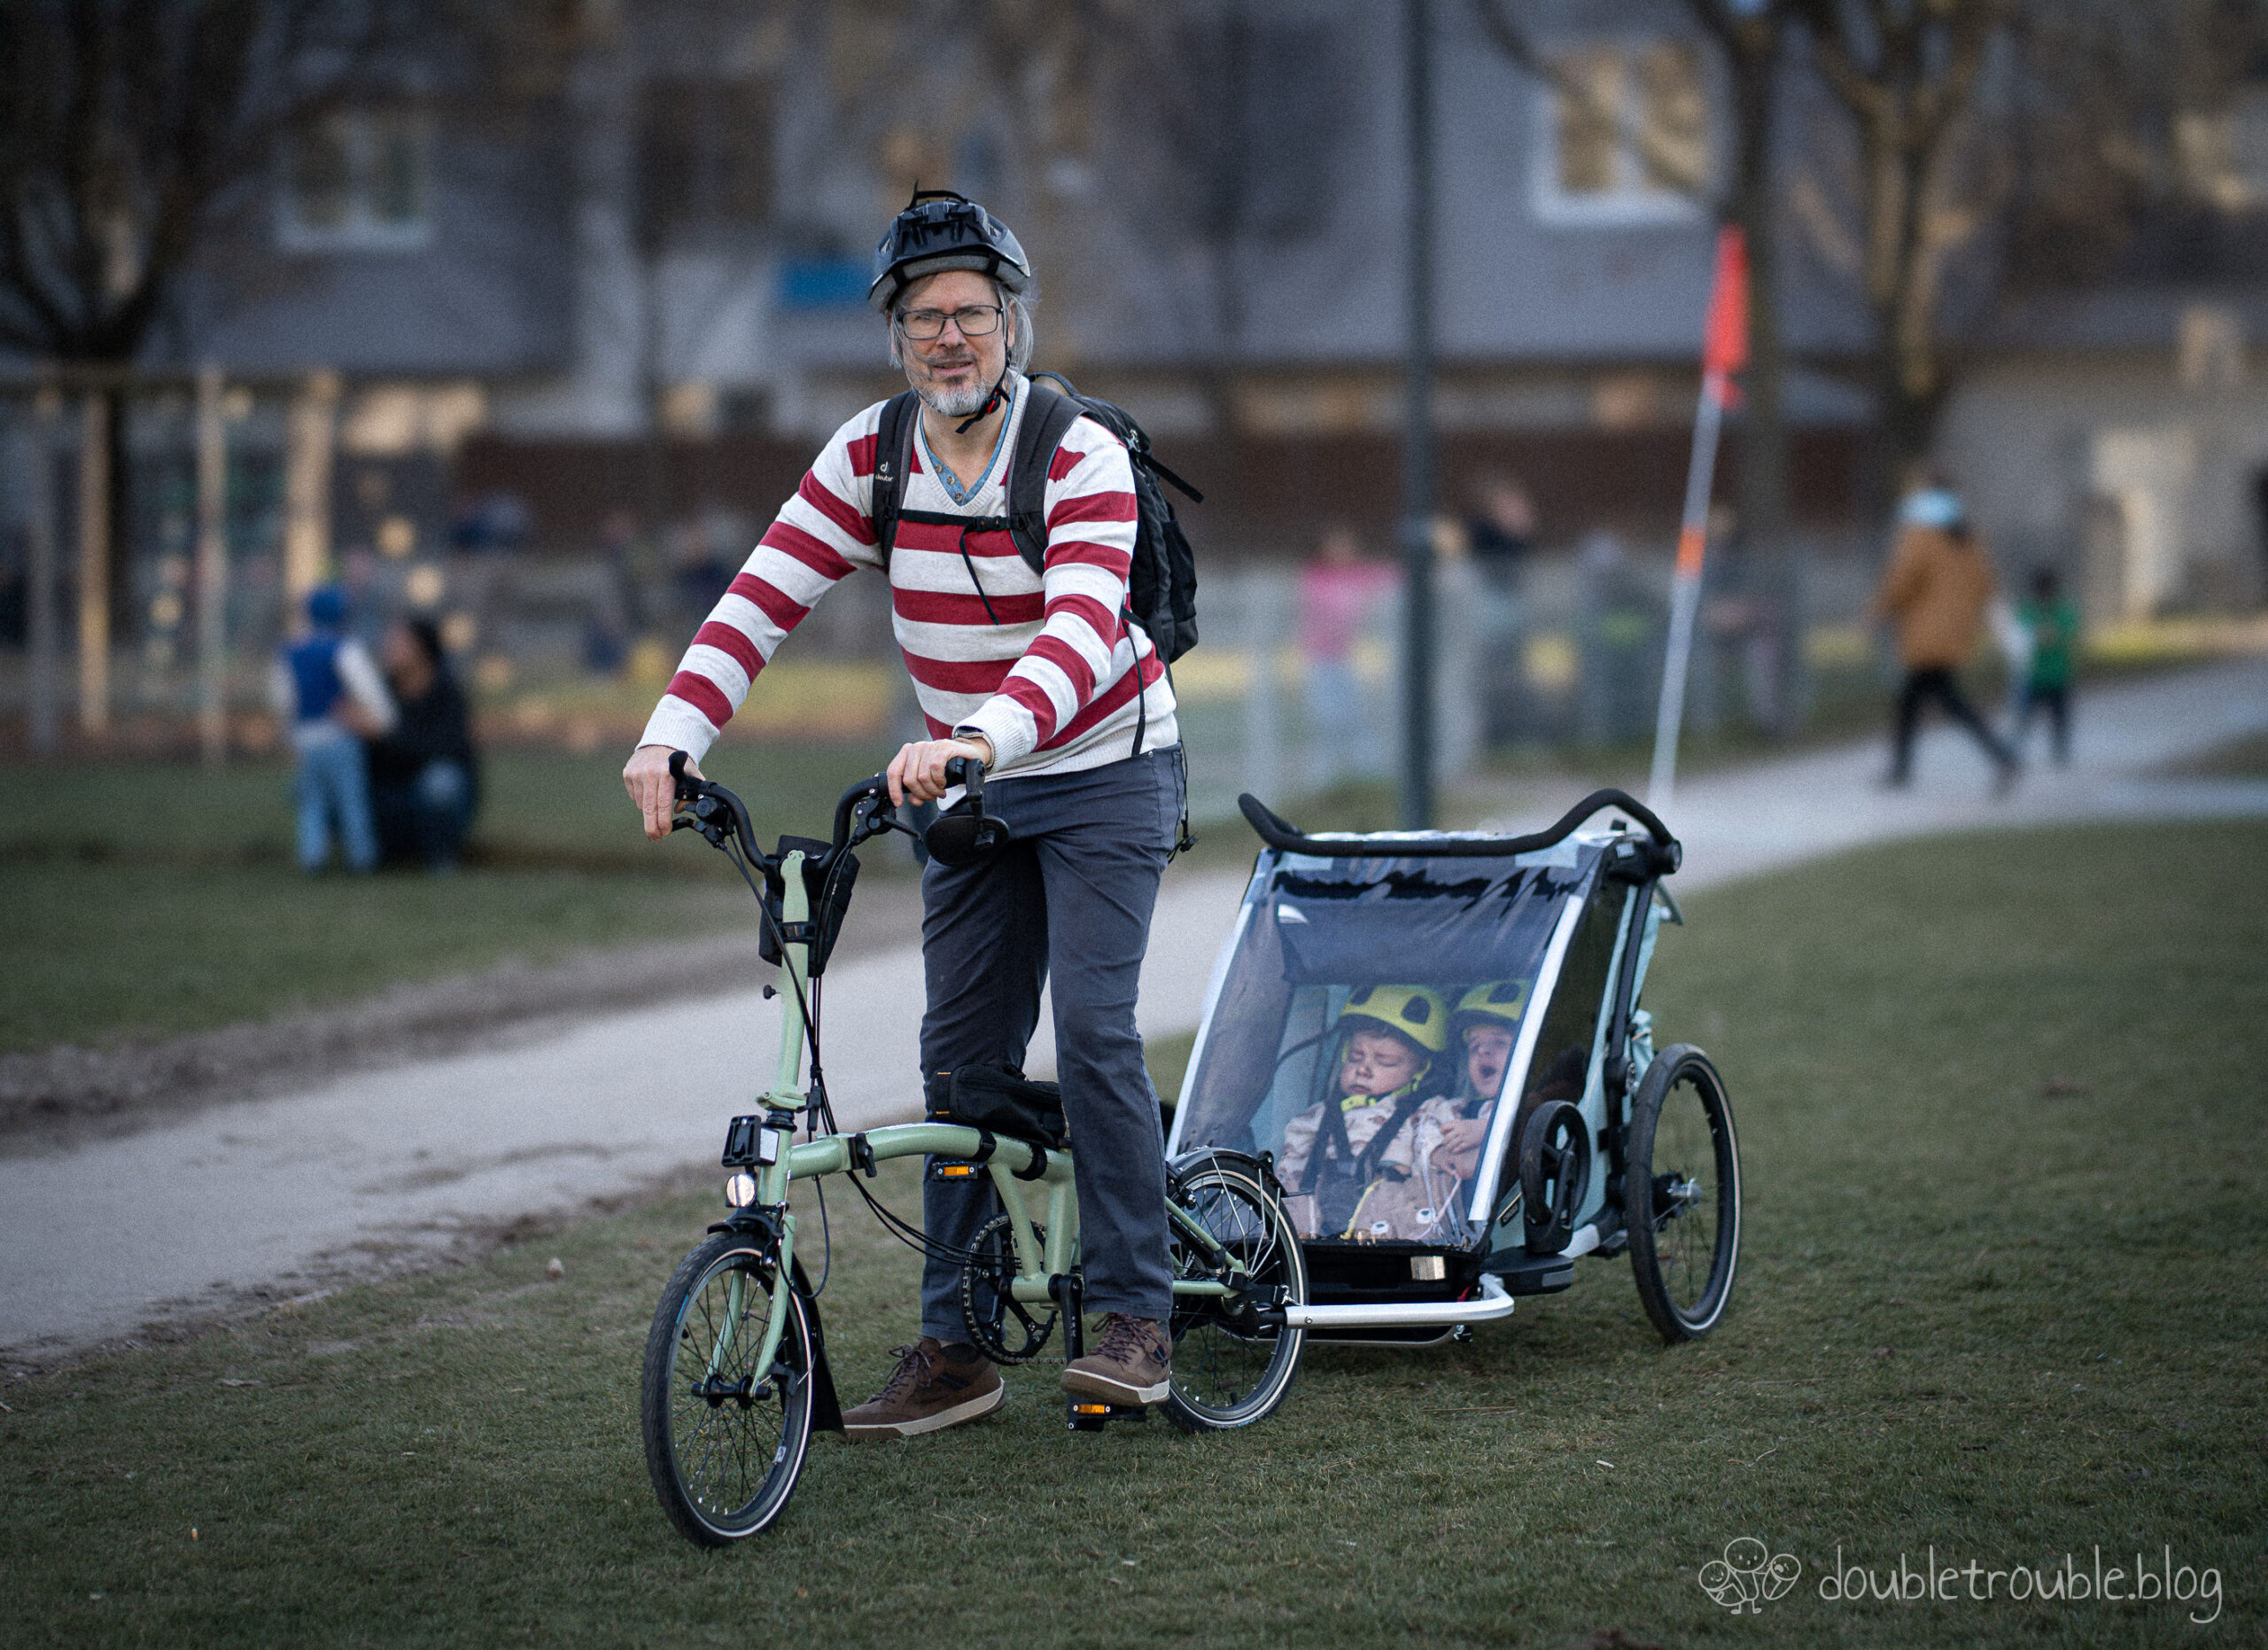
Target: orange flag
{"type": "Point", "coordinates": [1724, 347]}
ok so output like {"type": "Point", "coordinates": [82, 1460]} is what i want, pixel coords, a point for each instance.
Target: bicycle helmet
{"type": "Point", "coordinates": [940, 231]}
{"type": "Point", "coordinates": [1501, 1000]}
{"type": "Point", "coordinates": [1410, 1011]}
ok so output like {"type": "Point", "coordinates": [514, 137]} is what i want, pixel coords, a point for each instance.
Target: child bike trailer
{"type": "Point", "coordinates": [1434, 1040]}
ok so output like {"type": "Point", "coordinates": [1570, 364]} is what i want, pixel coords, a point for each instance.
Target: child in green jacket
{"type": "Point", "coordinates": [2052, 622]}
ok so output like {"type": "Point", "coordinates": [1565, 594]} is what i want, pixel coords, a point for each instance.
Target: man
{"type": "Point", "coordinates": [1037, 676]}
{"type": "Point", "coordinates": [1937, 586]}
{"type": "Point", "coordinates": [328, 694]}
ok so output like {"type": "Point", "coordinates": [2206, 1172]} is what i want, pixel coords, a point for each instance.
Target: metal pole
{"type": "Point", "coordinates": [1685, 589]}
{"type": "Point", "coordinates": [1263, 727]}
{"type": "Point", "coordinates": [94, 565]}
{"type": "Point", "coordinates": [212, 569]}
{"type": "Point", "coordinates": [1417, 438]}
{"type": "Point", "coordinates": [40, 503]}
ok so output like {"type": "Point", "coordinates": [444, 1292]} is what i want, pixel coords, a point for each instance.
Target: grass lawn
{"type": "Point", "coordinates": [152, 899]}
{"type": "Point", "coordinates": [2000, 1298]}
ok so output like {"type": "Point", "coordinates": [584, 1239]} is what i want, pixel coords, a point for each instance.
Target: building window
{"type": "Point", "coordinates": [2222, 154]}
{"type": "Point", "coordinates": [358, 179]}
{"type": "Point", "coordinates": [1624, 134]}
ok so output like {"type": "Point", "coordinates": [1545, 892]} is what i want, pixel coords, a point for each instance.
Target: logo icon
{"type": "Point", "coordinates": [1750, 1575]}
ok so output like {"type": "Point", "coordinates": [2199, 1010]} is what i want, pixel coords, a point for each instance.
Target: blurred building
{"type": "Point", "coordinates": [626, 271]}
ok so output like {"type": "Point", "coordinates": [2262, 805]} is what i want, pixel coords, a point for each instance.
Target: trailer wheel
{"type": "Point", "coordinates": [1682, 1194]}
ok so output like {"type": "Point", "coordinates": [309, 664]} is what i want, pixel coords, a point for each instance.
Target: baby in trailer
{"type": "Point", "coordinates": [1341, 1153]}
{"type": "Point", "coordinates": [1449, 1131]}
{"type": "Point", "coordinates": [1406, 1163]}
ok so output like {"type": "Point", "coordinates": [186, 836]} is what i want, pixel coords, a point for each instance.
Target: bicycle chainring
{"type": "Point", "coordinates": [1003, 1329]}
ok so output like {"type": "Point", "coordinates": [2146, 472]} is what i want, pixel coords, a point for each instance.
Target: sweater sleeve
{"type": "Point", "coordinates": [359, 673]}
{"type": "Point", "coordinates": [821, 535]}
{"type": "Point", "coordinates": [1091, 526]}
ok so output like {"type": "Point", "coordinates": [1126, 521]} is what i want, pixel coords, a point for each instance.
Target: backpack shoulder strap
{"type": "Point", "coordinates": [1046, 421]}
{"type": "Point", "coordinates": [893, 458]}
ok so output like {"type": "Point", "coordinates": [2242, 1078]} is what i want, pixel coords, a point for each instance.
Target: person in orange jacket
{"type": "Point", "coordinates": [1935, 590]}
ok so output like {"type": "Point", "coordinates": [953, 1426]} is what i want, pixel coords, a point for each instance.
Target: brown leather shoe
{"type": "Point", "coordinates": [927, 1391]}
{"type": "Point", "coordinates": [1134, 1364]}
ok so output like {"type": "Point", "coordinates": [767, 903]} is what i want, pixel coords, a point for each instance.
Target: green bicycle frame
{"type": "Point", "coordinates": [1043, 1210]}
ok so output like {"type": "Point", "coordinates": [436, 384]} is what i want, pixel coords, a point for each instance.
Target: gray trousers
{"type": "Point", "coordinates": [1066, 903]}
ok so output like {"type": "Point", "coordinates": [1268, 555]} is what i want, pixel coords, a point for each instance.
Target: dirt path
{"type": "Point", "coordinates": [71, 1096]}
{"type": "Point", "coordinates": [252, 1198]}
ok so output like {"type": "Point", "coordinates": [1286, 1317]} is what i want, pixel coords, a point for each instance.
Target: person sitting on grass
{"type": "Point", "coordinates": [1339, 1149]}
{"type": "Point", "coordinates": [425, 783]}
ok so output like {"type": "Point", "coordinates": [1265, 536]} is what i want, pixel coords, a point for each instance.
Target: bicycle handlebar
{"type": "Point", "coordinates": [862, 812]}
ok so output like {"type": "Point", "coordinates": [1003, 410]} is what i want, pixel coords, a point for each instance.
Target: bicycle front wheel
{"type": "Point", "coordinates": [1233, 1356]}
{"type": "Point", "coordinates": [724, 1441]}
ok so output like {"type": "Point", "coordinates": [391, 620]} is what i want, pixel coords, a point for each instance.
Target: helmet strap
{"type": "Point", "coordinates": [986, 411]}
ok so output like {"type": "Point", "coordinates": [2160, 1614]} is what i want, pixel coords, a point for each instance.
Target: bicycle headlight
{"type": "Point", "coordinates": [740, 1189]}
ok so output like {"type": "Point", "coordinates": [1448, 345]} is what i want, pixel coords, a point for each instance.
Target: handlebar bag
{"type": "Point", "coordinates": [1002, 1099]}
{"type": "Point", "coordinates": [828, 884]}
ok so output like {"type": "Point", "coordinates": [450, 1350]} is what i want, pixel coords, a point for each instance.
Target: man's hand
{"type": "Point", "coordinates": [651, 788]}
{"type": "Point", "coordinates": [918, 772]}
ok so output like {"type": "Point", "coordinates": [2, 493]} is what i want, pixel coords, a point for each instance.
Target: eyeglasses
{"type": "Point", "coordinates": [977, 321]}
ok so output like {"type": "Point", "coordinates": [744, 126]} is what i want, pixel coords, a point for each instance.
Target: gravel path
{"type": "Point", "coordinates": [256, 1194]}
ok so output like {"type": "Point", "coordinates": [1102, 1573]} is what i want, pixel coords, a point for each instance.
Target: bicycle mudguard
{"type": "Point", "coordinates": [1261, 1168]}
{"type": "Point", "coordinates": [827, 1409]}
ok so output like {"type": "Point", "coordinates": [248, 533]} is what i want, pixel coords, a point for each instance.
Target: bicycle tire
{"type": "Point", "coordinates": [1681, 1199]}
{"type": "Point", "coordinates": [725, 1448]}
{"type": "Point", "coordinates": [1231, 1368]}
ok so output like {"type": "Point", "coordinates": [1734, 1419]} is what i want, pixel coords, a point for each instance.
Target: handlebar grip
{"type": "Point", "coordinates": [686, 791]}
{"type": "Point", "coordinates": [968, 771]}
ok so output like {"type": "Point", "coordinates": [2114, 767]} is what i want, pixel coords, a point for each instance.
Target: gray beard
{"type": "Point", "coordinates": [954, 403]}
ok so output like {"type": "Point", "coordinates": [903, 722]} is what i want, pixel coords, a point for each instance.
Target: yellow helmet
{"type": "Point", "coordinates": [1413, 1011]}
{"type": "Point", "coordinates": [1504, 1000]}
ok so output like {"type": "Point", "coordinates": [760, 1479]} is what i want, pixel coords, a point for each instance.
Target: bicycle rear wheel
{"type": "Point", "coordinates": [724, 1441]}
{"type": "Point", "coordinates": [1234, 1357]}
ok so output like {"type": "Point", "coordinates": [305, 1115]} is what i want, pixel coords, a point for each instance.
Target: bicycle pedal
{"type": "Point", "coordinates": [1092, 1415]}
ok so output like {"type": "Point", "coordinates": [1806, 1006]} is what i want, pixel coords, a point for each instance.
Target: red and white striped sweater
{"type": "Point", "coordinates": [1052, 685]}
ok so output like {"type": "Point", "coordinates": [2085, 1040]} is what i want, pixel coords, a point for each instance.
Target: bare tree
{"type": "Point", "coordinates": [1908, 74]}
{"type": "Point", "coordinates": [2126, 131]}
{"type": "Point", "coordinates": [1751, 39]}
{"type": "Point", "coordinates": [129, 130]}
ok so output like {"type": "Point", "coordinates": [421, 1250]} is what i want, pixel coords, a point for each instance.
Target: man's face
{"type": "Point", "coordinates": [953, 373]}
{"type": "Point", "coordinates": [1376, 1062]}
{"type": "Point", "coordinates": [1488, 1051]}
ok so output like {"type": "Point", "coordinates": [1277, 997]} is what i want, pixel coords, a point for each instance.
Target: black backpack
{"type": "Point", "coordinates": [1162, 586]}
